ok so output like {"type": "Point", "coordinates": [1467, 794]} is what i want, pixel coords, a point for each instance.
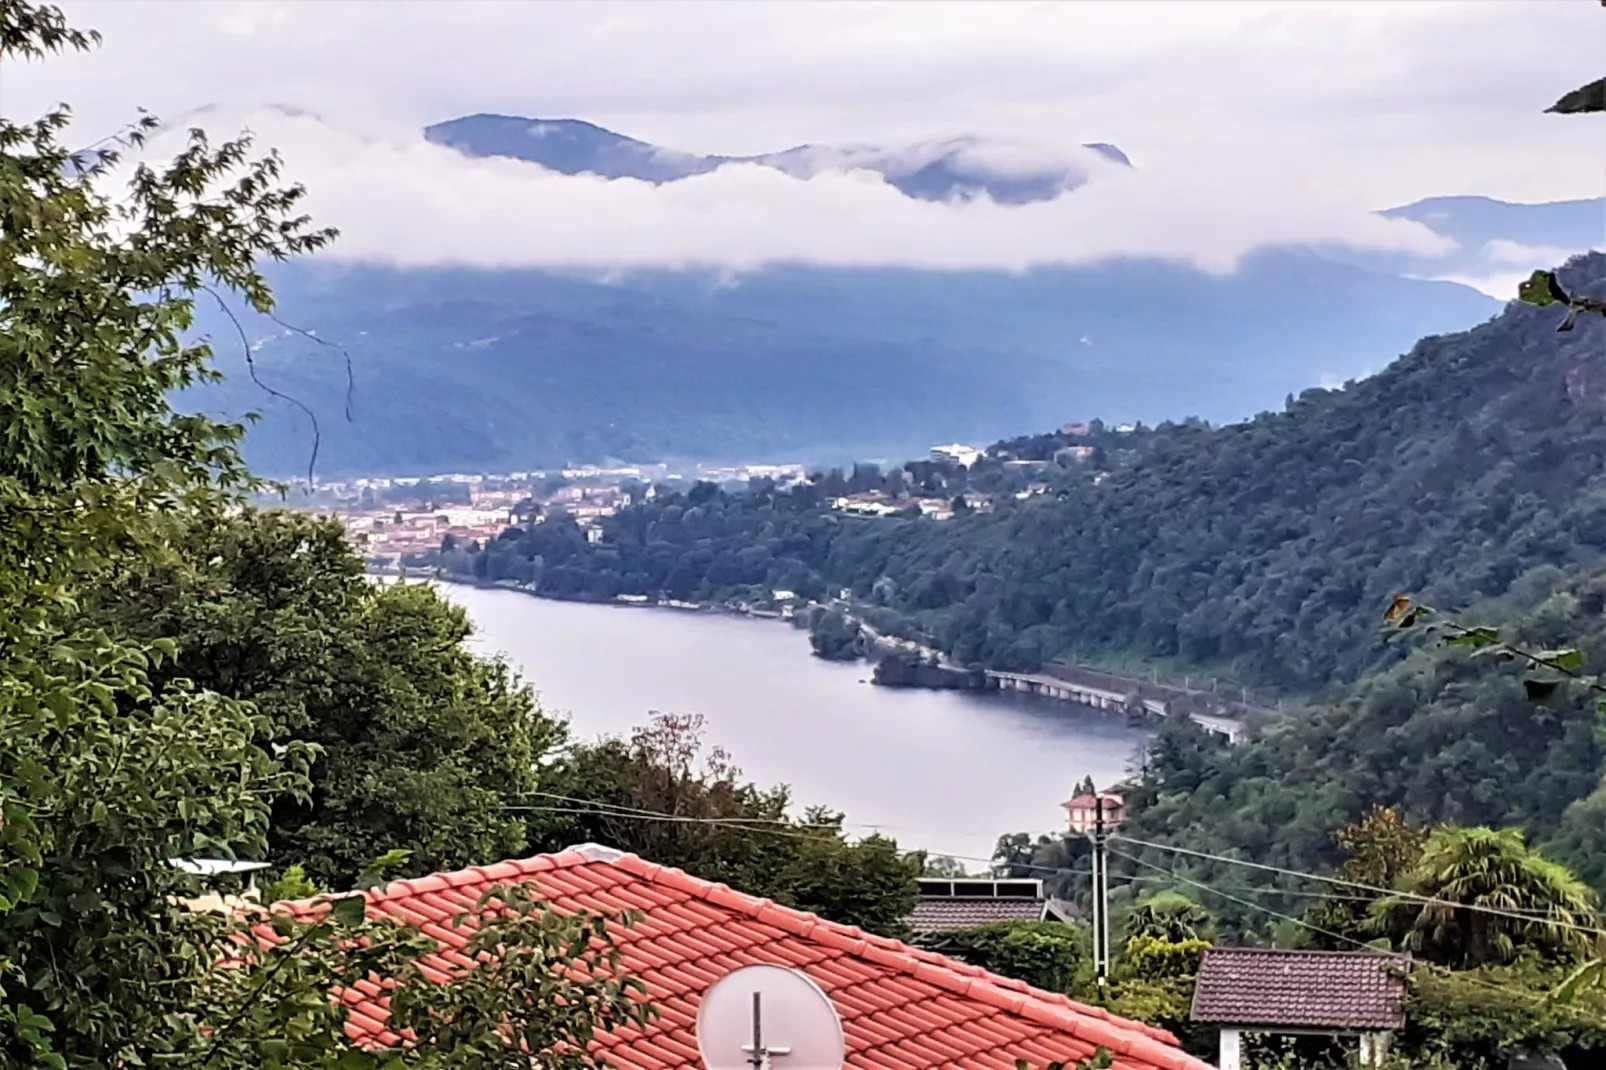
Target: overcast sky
{"type": "Point", "coordinates": [1248, 122]}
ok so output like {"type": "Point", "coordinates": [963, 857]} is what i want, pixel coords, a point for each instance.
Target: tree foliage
{"type": "Point", "coordinates": [541, 982]}
{"type": "Point", "coordinates": [660, 795]}
{"type": "Point", "coordinates": [1439, 738]}
{"type": "Point", "coordinates": [1045, 954]}
{"type": "Point", "coordinates": [111, 763]}
{"type": "Point", "coordinates": [1463, 876]}
{"type": "Point", "coordinates": [422, 744]}
{"type": "Point", "coordinates": [1169, 917]}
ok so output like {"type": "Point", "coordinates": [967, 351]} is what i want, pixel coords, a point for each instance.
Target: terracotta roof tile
{"type": "Point", "coordinates": [902, 1008]}
{"type": "Point", "coordinates": [1300, 989]}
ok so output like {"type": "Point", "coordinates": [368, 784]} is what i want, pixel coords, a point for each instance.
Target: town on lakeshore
{"type": "Point", "coordinates": [395, 517]}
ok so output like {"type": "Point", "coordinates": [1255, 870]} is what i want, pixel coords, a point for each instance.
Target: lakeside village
{"type": "Point", "coordinates": [396, 517]}
{"type": "Point", "coordinates": [403, 523]}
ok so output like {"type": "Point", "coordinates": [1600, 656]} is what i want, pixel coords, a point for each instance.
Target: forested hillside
{"type": "Point", "coordinates": [1263, 549]}
{"type": "Point", "coordinates": [1442, 737]}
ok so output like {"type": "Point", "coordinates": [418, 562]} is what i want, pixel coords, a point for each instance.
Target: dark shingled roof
{"type": "Point", "coordinates": [940, 913]}
{"type": "Point", "coordinates": [1300, 989]}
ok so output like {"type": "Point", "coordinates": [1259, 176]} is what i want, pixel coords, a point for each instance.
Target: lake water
{"type": "Point", "coordinates": [943, 770]}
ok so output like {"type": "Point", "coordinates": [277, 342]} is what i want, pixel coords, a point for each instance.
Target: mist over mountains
{"type": "Point", "coordinates": [487, 368]}
{"type": "Point", "coordinates": [1009, 172]}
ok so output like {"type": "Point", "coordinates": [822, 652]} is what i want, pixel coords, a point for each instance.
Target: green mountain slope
{"type": "Point", "coordinates": [1262, 549]}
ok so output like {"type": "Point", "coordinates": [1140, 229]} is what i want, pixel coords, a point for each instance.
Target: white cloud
{"type": "Point", "coordinates": [1249, 122]}
{"type": "Point", "coordinates": [400, 199]}
{"type": "Point", "coordinates": [1510, 252]}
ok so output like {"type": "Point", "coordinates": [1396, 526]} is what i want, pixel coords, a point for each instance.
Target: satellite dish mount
{"type": "Point", "coordinates": [758, 1014]}
{"type": "Point", "coordinates": [758, 1054]}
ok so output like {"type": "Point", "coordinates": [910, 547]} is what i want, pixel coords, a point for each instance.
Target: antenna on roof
{"type": "Point", "coordinates": [758, 1013]}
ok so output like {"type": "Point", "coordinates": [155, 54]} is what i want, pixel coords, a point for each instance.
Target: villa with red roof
{"type": "Point", "coordinates": [901, 1008]}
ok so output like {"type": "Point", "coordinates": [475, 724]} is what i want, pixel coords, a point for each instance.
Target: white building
{"type": "Point", "coordinates": [957, 453]}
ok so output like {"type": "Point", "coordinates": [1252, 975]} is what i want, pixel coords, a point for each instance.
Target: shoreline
{"type": "Point", "coordinates": [888, 658]}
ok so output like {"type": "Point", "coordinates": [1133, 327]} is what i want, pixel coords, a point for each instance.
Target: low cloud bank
{"type": "Point", "coordinates": [400, 200]}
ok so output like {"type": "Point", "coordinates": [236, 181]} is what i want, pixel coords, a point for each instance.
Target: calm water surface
{"type": "Point", "coordinates": [935, 769]}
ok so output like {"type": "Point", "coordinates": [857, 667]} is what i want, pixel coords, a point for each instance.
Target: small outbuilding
{"type": "Point", "coordinates": [946, 904]}
{"type": "Point", "coordinates": [1333, 993]}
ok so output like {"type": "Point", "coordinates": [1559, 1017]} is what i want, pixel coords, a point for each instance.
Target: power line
{"type": "Point", "coordinates": [803, 830]}
{"type": "Point", "coordinates": [1392, 893]}
{"type": "Point", "coordinates": [1245, 902]}
{"type": "Point", "coordinates": [1463, 975]}
{"type": "Point", "coordinates": [788, 822]}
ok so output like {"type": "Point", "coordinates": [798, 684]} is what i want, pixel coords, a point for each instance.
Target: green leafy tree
{"type": "Point", "coordinates": [1383, 850]}
{"type": "Point", "coordinates": [1045, 954]}
{"type": "Point", "coordinates": [542, 983]}
{"type": "Point", "coordinates": [110, 768]}
{"type": "Point", "coordinates": [1587, 98]}
{"type": "Point", "coordinates": [1153, 981]}
{"type": "Point", "coordinates": [941, 866]}
{"type": "Point", "coordinates": [1526, 900]}
{"type": "Point", "coordinates": [835, 636]}
{"type": "Point", "coordinates": [659, 794]}
{"type": "Point", "coordinates": [1477, 1019]}
{"type": "Point", "coordinates": [422, 744]}
{"type": "Point", "coordinates": [1170, 917]}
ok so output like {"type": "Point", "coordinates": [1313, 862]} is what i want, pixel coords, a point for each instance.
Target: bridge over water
{"type": "Point", "coordinates": [1105, 698]}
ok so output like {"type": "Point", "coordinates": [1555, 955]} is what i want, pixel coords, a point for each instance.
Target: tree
{"type": "Point", "coordinates": [422, 744]}
{"type": "Point", "coordinates": [1588, 98]}
{"type": "Point", "coordinates": [1170, 917]}
{"type": "Point", "coordinates": [1540, 904]}
{"type": "Point", "coordinates": [1382, 850]}
{"type": "Point", "coordinates": [1476, 1020]}
{"type": "Point", "coordinates": [109, 769]}
{"type": "Point", "coordinates": [834, 636]}
{"type": "Point", "coordinates": [658, 794]}
{"type": "Point", "coordinates": [1044, 954]}
{"type": "Point", "coordinates": [941, 866]}
{"type": "Point", "coordinates": [540, 983]}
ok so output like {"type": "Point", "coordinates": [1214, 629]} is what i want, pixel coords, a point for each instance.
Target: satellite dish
{"type": "Point", "coordinates": [769, 1017]}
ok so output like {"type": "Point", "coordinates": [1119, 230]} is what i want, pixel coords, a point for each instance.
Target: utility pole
{"type": "Point", "coordinates": [1101, 895]}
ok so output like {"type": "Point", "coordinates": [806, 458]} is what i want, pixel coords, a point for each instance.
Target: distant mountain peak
{"type": "Point", "coordinates": [1007, 171]}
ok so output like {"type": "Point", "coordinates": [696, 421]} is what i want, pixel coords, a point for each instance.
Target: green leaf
{"type": "Point", "coordinates": [1588, 98]}
{"type": "Point", "coordinates": [1566, 659]}
{"type": "Point", "coordinates": [349, 910]}
{"type": "Point", "coordinates": [1541, 288]}
{"type": "Point", "coordinates": [1477, 637]}
{"type": "Point", "coordinates": [1589, 974]}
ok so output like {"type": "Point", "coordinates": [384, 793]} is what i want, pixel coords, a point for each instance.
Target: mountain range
{"type": "Point", "coordinates": [456, 368]}
{"type": "Point", "coordinates": [1010, 172]}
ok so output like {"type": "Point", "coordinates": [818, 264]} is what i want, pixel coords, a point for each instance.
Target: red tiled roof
{"type": "Point", "coordinates": [1091, 802]}
{"type": "Point", "coordinates": [1300, 989]}
{"type": "Point", "coordinates": [901, 1007]}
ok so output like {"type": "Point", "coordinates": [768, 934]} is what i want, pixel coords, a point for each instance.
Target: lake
{"type": "Point", "coordinates": [944, 770]}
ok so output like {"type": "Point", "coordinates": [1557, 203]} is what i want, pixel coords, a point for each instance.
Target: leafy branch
{"type": "Point", "coordinates": [1541, 288]}
{"type": "Point", "coordinates": [1553, 668]}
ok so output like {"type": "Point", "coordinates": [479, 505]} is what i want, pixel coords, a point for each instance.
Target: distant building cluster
{"type": "Point", "coordinates": [963, 456]}
{"type": "Point", "coordinates": [393, 517]}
